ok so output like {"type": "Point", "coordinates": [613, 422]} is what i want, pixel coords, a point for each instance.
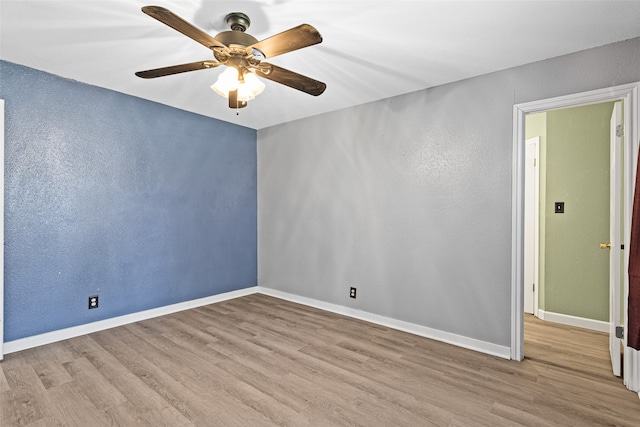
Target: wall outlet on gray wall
{"type": "Point", "coordinates": [352, 292]}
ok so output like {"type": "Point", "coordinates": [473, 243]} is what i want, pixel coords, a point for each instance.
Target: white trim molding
{"type": "Point", "coordinates": [423, 331]}
{"type": "Point", "coordinates": [101, 325]}
{"type": "Point", "coordinates": [412, 328]}
{"type": "Point", "coordinates": [579, 322]}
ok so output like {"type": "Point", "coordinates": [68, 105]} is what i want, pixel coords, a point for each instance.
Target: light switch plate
{"type": "Point", "coordinates": [559, 207]}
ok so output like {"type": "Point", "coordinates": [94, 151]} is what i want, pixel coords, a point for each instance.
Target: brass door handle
{"type": "Point", "coordinates": [605, 245]}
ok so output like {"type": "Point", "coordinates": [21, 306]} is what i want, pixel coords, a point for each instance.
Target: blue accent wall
{"type": "Point", "coordinates": [111, 195]}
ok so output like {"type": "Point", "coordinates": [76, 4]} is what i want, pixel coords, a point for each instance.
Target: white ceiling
{"type": "Point", "coordinates": [371, 49]}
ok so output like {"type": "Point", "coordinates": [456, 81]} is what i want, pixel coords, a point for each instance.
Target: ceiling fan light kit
{"type": "Point", "coordinates": [243, 54]}
{"type": "Point", "coordinates": [248, 87]}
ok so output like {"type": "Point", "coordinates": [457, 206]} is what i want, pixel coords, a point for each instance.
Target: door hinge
{"type": "Point", "coordinates": [535, 163]}
{"type": "Point", "coordinates": [620, 332]}
{"type": "Point", "coordinates": [619, 131]}
{"type": "Point", "coordinates": [534, 287]}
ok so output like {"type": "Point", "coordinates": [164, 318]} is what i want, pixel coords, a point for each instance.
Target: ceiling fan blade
{"type": "Point", "coordinates": [293, 39]}
{"type": "Point", "coordinates": [233, 100]}
{"type": "Point", "coordinates": [291, 79]}
{"type": "Point", "coordinates": [174, 21]}
{"type": "Point", "coordinates": [177, 69]}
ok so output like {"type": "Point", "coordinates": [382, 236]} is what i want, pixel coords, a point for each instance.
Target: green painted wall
{"type": "Point", "coordinates": [536, 125]}
{"type": "Point", "coordinates": [576, 272]}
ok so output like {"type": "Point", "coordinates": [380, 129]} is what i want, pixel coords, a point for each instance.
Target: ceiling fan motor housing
{"type": "Point", "coordinates": [236, 39]}
{"type": "Point", "coordinates": [229, 38]}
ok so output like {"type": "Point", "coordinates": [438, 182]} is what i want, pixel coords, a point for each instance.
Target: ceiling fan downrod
{"type": "Point", "coordinates": [238, 21]}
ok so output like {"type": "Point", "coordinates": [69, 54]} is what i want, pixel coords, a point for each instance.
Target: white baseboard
{"type": "Point", "coordinates": [75, 331]}
{"type": "Point", "coordinates": [579, 322]}
{"type": "Point", "coordinates": [423, 331]}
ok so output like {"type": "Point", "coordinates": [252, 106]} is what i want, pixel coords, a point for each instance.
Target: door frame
{"type": "Point", "coordinates": [2, 229]}
{"type": "Point", "coordinates": [629, 95]}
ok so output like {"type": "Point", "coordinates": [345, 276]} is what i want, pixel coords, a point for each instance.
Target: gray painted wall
{"type": "Point", "coordinates": [409, 198]}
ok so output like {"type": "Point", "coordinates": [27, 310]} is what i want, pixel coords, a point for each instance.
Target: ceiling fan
{"type": "Point", "coordinates": [243, 54]}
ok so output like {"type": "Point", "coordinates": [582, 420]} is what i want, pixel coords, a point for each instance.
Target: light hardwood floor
{"type": "Point", "coordinates": [260, 361]}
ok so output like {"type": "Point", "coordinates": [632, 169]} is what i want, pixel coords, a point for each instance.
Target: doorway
{"type": "Point", "coordinates": [575, 219]}
{"type": "Point", "coordinates": [574, 216]}
{"type": "Point", "coordinates": [626, 93]}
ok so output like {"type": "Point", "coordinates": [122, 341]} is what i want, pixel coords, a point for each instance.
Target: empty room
{"type": "Point", "coordinates": [308, 213]}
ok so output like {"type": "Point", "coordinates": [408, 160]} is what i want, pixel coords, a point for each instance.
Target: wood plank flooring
{"type": "Point", "coordinates": [261, 361]}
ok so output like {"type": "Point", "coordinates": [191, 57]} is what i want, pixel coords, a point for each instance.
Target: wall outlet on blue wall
{"type": "Point", "coordinates": [93, 302]}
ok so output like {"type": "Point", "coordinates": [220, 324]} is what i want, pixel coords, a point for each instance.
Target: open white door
{"type": "Point", "coordinates": [614, 237]}
{"type": "Point", "coordinates": [531, 217]}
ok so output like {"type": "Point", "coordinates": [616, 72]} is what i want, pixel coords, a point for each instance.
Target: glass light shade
{"type": "Point", "coordinates": [228, 81]}
{"type": "Point", "coordinates": [251, 87]}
